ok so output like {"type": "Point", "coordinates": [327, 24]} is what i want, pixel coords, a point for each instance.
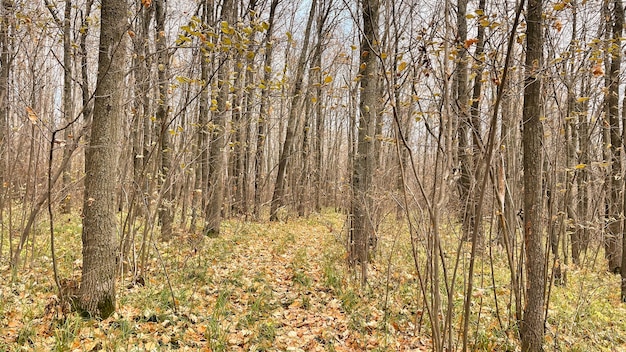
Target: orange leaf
{"type": "Point", "coordinates": [470, 42]}
{"type": "Point", "coordinates": [597, 70]}
{"type": "Point", "coordinates": [146, 3]}
{"type": "Point", "coordinates": [31, 115]}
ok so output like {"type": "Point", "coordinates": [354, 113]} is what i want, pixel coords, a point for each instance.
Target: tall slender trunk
{"type": "Point", "coordinates": [166, 212]}
{"type": "Point", "coordinates": [67, 102]}
{"type": "Point", "coordinates": [292, 122]}
{"type": "Point", "coordinates": [217, 156]}
{"type": "Point", "coordinates": [532, 325]}
{"type": "Point", "coordinates": [201, 148]}
{"type": "Point", "coordinates": [361, 223]}
{"type": "Point", "coordinates": [612, 242]}
{"type": "Point", "coordinates": [263, 112]}
{"type": "Point", "coordinates": [6, 7]}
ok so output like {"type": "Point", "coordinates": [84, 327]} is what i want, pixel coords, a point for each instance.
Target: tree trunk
{"type": "Point", "coordinates": [361, 228]}
{"type": "Point", "coordinates": [292, 122]}
{"type": "Point", "coordinates": [464, 124]}
{"type": "Point", "coordinates": [263, 112]}
{"type": "Point", "coordinates": [97, 291]}
{"type": "Point", "coordinates": [217, 157]}
{"type": "Point", "coordinates": [6, 7]}
{"type": "Point", "coordinates": [67, 103]}
{"type": "Point", "coordinates": [532, 325]}
{"type": "Point", "coordinates": [201, 149]}
{"type": "Point", "coordinates": [166, 213]}
{"type": "Point", "coordinates": [612, 241]}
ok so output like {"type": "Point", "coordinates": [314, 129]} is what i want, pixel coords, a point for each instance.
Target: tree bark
{"type": "Point", "coordinates": [217, 157]}
{"type": "Point", "coordinates": [361, 227]}
{"type": "Point", "coordinates": [6, 6]}
{"type": "Point", "coordinates": [97, 291]}
{"type": "Point", "coordinates": [532, 325]}
{"type": "Point", "coordinates": [612, 241]}
{"type": "Point", "coordinates": [166, 213]}
{"type": "Point", "coordinates": [67, 103]}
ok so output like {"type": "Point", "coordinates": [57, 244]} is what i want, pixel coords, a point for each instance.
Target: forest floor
{"type": "Point", "coordinates": [283, 286]}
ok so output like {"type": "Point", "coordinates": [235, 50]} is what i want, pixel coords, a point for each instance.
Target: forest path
{"type": "Point", "coordinates": [257, 287]}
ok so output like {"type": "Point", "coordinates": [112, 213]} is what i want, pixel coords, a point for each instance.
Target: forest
{"type": "Point", "coordinates": [312, 175]}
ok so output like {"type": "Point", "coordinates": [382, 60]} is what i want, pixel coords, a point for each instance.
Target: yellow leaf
{"type": "Point", "coordinates": [484, 22]}
{"type": "Point", "coordinates": [328, 79]}
{"type": "Point", "coordinates": [383, 55]}
{"type": "Point", "coordinates": [582, 99]}
{"type": "Point", "coordinates": [289, 37]}
{"type": "Point", "coordinates": [580, 166]}
{"type": "Point", "coordinates": [558, 7]}
{"type": "Point", "coordinates": [226, 29]}
{"type": "Point", "coordinates": [402, 66]}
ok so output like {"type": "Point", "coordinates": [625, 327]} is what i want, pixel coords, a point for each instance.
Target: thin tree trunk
{"type": "Point", "coordinates": [263, 112]}
{"type": "Point", "coordinates": [361, 223]}
{"type": "Point", "coordinates": [612, 241]}
{"type": "Point", "coordinates": [532, 325]}
{"type": "Point", "coordinates": [217, 156]}
{"type": "Point", "coordinates": [67, 102]}
{"type": "Point", "coordinates": [292, 122]}
{"type": "Point", "coordinates": [166, 213]}
{"type": "Point", "coordinates": [6, 7]}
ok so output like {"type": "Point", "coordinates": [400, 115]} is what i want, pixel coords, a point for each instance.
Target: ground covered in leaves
{"type": "Point", "coordinates": [282, 287]}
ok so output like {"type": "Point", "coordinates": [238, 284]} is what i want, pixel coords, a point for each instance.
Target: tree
{"type": "Point", "coordinates": [166, 215]}
{"type": "Point", "coordinates": [263, 112]}
{"type": "Point", "coordinates": [97, 291]}
{"type": "Point", "coordinates": [613, 141]}
{"type": "Point", "coordinates": [217, 156]}
{"type": "Point", "coordinates": [292, 122]}
{"type": "Point", "coordinates": [361, 226]}
{"type": "Point", "coordinates": [532, 325]}
{"type": "Point", "coordinates": [5, 64]}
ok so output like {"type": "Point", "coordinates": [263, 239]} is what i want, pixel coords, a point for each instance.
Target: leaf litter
{"type": "Point", "coordinates": [258, 287]}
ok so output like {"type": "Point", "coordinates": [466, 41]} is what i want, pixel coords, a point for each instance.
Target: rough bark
{"type": "Point", "coordinates": [464, 124]}
{"type": "Point", "coordinates": [532, 325]}
{"type": "Point", "coordinates": [361, 228]}
{"type": "Point", "coordinates": [612, 241]}
{"type": "Point", "coordinates": [166, 212]}
{"type": "Point", "coordinates": [97, 291]}
{"type": "Point", "coordinates": [67, 103]}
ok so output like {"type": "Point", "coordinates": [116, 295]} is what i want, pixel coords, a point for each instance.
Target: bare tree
{"type": "Point", "coordinates": [217, 156]}
{"type": "Point", "coordinates": [292, 121]}
{"type": "Point", "coordinates": [166, 215]}
{"type": "Point", "coordinates": [532, 325]}
{"type": "Point", "coordinates": [361, 223]}
{"type": "Point", "coordinates": [613, 139]}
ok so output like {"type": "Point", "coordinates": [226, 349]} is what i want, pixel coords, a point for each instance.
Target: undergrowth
{"type": "Point", "coordinates": [276, 286]}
